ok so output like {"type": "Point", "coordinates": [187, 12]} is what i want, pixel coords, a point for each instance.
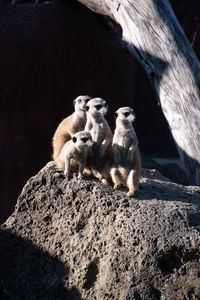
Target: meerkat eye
{"type": "Point", "coordinates": [84, 140]}
{"type": "Point", "coordinates": [74, 139]}
{"type": "Point", "coordinates": [79, 100]}
{"type": "Point", "coordinates": [87, 107]}
{"type": "Point", "coordinates": [98, 107]}
{"type": "Point", "coordinates": [126, 114]}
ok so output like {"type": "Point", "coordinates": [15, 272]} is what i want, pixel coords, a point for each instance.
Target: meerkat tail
{"type": "Point", "coordinates": [59, 164]}
{"type": "Point", "coordinates": [58, 144]}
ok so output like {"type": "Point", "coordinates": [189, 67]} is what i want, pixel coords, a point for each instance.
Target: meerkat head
{"type": "Point", "coordinates": [80, 103]}
{"type": "Point", "coordinates": [82, 140]}
{"type": "Point", "coordinates": [125, 114]}
{"type": "Point", "coordinates": [97, 107]}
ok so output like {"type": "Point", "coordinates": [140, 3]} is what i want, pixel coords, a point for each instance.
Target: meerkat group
{"type": "Point", "coordinates": [84, 143]}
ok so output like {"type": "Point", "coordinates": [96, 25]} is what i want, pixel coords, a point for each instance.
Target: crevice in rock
{"type": "Point", "coordinates": [169, 261]}
{"type": "Point", "coordinates": [80, 225]}
{"type": "Point", "coordinates": [155, 293]}
{"type": "Point", "coordinates": [176, 258]}
{"type": "Point", "coordinates": [91, 275]}
{"type": "Point", "coordinates": [137, 296]}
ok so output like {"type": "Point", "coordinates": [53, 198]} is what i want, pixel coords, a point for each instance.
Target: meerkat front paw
{"type": "Point", "coordinates": [130, 193]}
{"type": "Point", "coordinates": [66, 174]}
{"type": "Point", "coordinates": [80, 176]}
{"type": "Point", "coordinates": [104, 181]}
{"type": "Point", "coordinates": [117, 186]}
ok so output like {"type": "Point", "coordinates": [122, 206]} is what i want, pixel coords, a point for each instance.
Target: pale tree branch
{"type": "Point", "coordinates": [152, 34]}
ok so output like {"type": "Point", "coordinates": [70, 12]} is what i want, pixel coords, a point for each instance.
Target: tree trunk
{"type": "Point", "coordinates": [153, 34]}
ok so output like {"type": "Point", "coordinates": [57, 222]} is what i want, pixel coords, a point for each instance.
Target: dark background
{"type": "Point", "coordinates": [49, 54]}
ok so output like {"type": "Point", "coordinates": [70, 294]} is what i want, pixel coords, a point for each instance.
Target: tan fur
{"type": "Point", "coordinates": [101, 156]}
{"type": "Point", "coordinates": [127, 165]}
{"type": "Point", "coordinates": [74, 154]}
{"type": "Point", "coordinates": [70, 125]}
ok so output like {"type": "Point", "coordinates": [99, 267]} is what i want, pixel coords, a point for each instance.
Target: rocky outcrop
{"type": "Point", "coordinates": [78, 239]}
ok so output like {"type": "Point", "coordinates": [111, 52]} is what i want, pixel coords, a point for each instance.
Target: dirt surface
{"type": "Point", "coordinates": [78, 239]}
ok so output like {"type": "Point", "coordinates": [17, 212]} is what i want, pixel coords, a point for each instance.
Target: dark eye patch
{"type": "Point", "coordinates": [79, 100]}
{"type": "Point", "coordinates": [84, 140]}
{"type": "Point", "coordinates": [126, 114]}
{"type": "Point", "coordinates": [98, 107]}
{"type": "Point", "coordinates": [74, 139]}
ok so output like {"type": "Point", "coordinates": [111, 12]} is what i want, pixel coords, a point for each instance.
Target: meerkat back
{"type": "Point", "coordinates": [70, 125]}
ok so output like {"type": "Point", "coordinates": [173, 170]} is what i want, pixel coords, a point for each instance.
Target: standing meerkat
{"type": "Point", "coordinates": [127, 165]}
{"type": "Point", "coordinates": [74, 154]}
{"type": "Point", "coordinates": [100, 158]}
{"type": "Point", "coordinates": [70, 125]}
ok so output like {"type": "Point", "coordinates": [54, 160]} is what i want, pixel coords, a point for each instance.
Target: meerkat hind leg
{"type": "Point", "coordinates": [99, 176]}
{"type": "Point", "coordinates": [58, 143]}
{"type": "Point", "coordinates": [81, 167]}
{"type": "Point", "coordinates": [67, 167]}
{"type": "Point", "coordinates": [132, 182]}
{"type": "Point", "coordinates": [116, 178]}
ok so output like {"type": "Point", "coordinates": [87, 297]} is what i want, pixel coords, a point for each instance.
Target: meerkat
{"type": "Point", "coordinates": [70, 125]}
{"type": "Point", "coordinates": [100, 158]}
{"type": "Point", "coordinates": [74, 154]}
{"type": "Point", "coordinates": [127, 163]}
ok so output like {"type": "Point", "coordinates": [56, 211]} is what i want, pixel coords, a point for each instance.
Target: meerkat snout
{"type": "Point", "coordinates": [82, 139]}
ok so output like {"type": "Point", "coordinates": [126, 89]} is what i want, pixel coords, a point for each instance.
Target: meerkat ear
{"type": "Point", "coordinates": [105, 104]}
{"type": "Point", "coordinates": [74, 139]}
{"type": "Point", "coordinates": [132, 111]}
{"type": "Point", "coordinates": [74, 102]}
{"type": "Point", "coordinates": [88, 99]}
{"type": "Point", "coordinates": [87, 107]}
{"type": "Point", "coordinates": [115, 114]}
{"type": "Point", "coordinates": [89, 136]}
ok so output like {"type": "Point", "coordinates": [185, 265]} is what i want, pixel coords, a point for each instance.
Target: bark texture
{"type": "Point", "coordinates": [152, 33]}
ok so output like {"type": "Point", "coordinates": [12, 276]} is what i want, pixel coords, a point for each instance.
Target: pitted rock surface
{"type": "Point", "coordinates": [78, 239]}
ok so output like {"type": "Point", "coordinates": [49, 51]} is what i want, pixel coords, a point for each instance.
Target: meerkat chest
{"type": "Point", "coordinates": [78, 125]}
{"type": "Point", "coordinates": [123, 139]}
{"type": "Point", "coordinates": [97, 132]}
{"type": "Point", "coordinates": [78, 154]}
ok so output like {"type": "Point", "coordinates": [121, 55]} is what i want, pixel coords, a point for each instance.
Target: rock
{"type": "Point", "coordinates": [78, 239]}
